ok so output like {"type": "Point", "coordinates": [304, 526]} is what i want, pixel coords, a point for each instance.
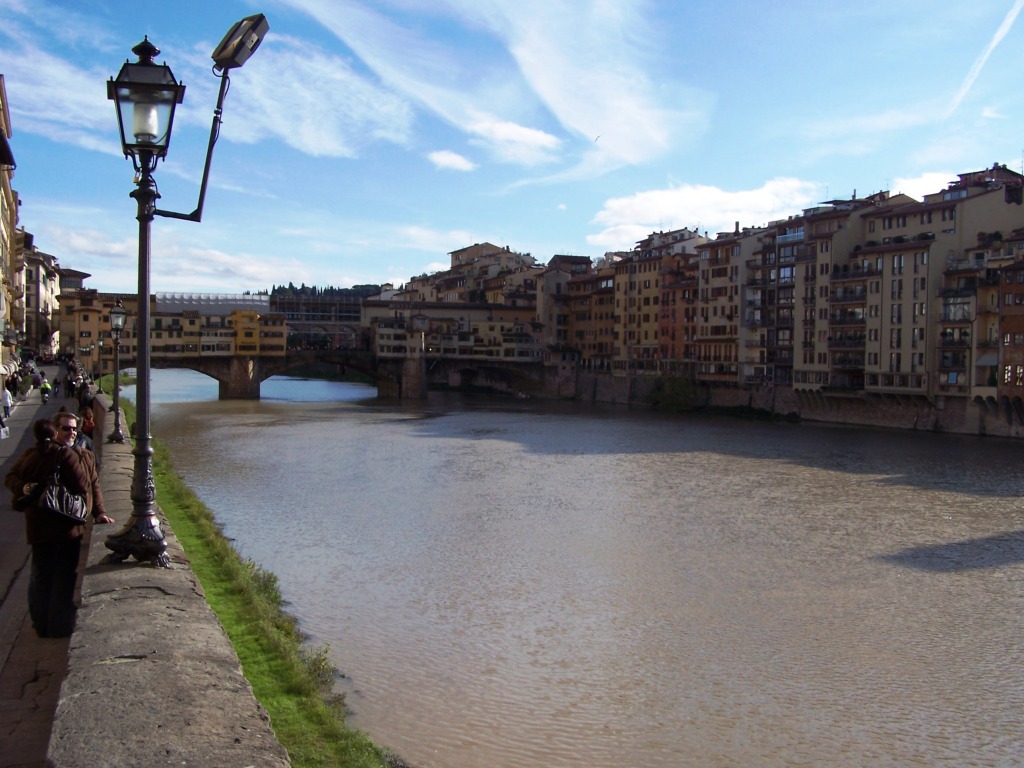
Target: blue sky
{"type": "Point", "coordinates": [365, 139]}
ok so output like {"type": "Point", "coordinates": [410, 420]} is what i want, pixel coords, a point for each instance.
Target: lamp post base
{"type": "Point", "coordinates": [142, 539]}
{"type": "Point", "coordinates": [117, 436]}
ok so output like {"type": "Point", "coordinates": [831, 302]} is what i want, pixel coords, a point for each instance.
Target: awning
{"type": "Point", "coordinates": [6, 155]}
{"type": "Point", "coordinates": [988, 359]}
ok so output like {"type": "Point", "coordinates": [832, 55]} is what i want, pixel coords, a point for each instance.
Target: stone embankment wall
{"type": "Point", "coordinates": [949, 415]}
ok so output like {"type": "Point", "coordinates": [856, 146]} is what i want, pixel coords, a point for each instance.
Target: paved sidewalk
{"type": "Point", "coordinates": [31, 669]}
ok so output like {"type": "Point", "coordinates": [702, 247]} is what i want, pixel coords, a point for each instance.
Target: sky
{"type": "Point", "coordinates": [366, 139]}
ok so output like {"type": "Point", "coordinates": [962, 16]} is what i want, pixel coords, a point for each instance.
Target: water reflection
{"type": "Point", "coordinates": [524, 584]}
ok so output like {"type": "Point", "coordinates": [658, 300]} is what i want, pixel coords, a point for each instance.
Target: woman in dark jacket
{"type": "Point", "coordinates": [55, 540]}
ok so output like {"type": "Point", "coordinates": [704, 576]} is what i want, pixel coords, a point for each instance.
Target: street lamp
{"type": "Point", "coordinates": [118, 316]}
{"type": "Point", "coordinates": [98, 375]}
{"type": "Point", "coordinates": [145, 95]}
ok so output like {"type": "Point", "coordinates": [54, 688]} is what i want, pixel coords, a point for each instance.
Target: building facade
{"type": "Point", "coordinates": [11, 318]}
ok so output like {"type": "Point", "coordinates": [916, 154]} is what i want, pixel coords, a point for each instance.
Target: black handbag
{"type": "Point", "coordinates": [58, 499]}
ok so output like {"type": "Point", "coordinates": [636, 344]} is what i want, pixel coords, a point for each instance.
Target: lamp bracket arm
{"type": "Point", "coordinates": [197, 214]}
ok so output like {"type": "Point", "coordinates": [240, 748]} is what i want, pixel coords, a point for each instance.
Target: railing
{"type": "Point", "coordinates": [853, 343]}
{"type": "Point", "coordinates": [847, 319]}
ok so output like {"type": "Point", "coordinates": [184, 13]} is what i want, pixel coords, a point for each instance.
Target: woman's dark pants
{"type": "Point", "coordinates": [51, 587]}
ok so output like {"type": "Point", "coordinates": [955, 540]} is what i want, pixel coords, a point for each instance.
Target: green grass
{"type": "Point", "coordinates": [107, 382]}
{"type": "Point", "coordinates": [291, 679]}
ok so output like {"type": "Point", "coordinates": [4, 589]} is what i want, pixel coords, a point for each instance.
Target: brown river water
{"type": "Point", "coordinates": [523, 584]}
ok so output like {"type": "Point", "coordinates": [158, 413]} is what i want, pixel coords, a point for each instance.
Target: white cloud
{"type": "Point", "coordinates": [178, 268]}
{"type": "Point", "coordinates": [431, 240]}
{"type": "Point", "coordinates": [925, 184]}
{"type": "Point", "coordinates": [314, 102]}
{"type": "Point", "coordinates": [53, 98]}
{"type": "Point", "coordinates": [583, 65]}
{"type": "Point", "coordinates": [511, 142]}
{"type": "Point", "coordinates": [589, 64]}
{"type": "Point", "coordinates": [705, 208]}
{"type": "Point", "coordinates": [451, 161]}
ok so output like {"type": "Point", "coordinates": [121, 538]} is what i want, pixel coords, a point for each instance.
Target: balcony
{"type": "Point", "coordinates": [963, 342]}
{"type": "Point", "coordinates": [846, 318]}
{"type": "Point", "coordinates": [848, 362]}
{"type": "Point", "coordinates": [846, 342]}
{"type": "Point", "coordinates": [840, 296]}
{"type": "Point", "coordinates": [852, 274]}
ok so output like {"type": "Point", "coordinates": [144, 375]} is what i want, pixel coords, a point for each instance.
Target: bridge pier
{"type": "Point", "coordinates": [404, 379]}
{"type": "Point", "coordinates": [243, 380]}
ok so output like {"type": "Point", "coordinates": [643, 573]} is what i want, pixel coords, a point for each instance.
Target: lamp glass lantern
{"type": "Point", "coordinates": [118, 317]}
{"type": "Point", "coordinates": [146, 95]}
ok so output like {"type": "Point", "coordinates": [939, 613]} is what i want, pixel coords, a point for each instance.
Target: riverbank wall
{"type": "Point", "coordinates": [152, 678]}
{"type": "Point", "coordinates": [885, 411]}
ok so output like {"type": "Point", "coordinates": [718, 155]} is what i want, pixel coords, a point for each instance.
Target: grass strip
{"type": "Point", "coordinates": [292, 680]}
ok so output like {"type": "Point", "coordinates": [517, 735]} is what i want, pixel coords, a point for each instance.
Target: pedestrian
{"type": "Point", "coordinates": [86, 422]}
{"type": "Point", "coordinates": [68, 433]}
{"type": "Point", "coordinates": [7, 400]}
{"type": "Point", "coordinates": [55, 541]}
{"type": "Point", "coordinates": [82, 440]}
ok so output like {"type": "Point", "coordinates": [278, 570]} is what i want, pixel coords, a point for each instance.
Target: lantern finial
{"type": "Point", "coordinates": [146, 51]}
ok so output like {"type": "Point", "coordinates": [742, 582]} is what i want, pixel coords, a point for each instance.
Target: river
{"type": "Point", "coordinates": [516, 583]}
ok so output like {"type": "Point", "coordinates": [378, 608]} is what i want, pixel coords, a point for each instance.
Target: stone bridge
{"type": "Point", "coordinates": [240, 376]}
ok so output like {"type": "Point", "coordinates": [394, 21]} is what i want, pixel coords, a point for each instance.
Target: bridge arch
{"type": "Point", "coordinates": [239, 376]}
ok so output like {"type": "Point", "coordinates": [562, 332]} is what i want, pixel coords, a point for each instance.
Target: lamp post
{"type": "Point", "coordinates": [145, 95]}
{"type": "Point", "coordinates": [118, 316]}
{"type": "Point", "coordinates": [86, 352]}
{"type": "Point", "coordinates": [98, 375]}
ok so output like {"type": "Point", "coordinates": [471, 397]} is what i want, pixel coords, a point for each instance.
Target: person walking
{"type": "Point", "coordinates": [55, 541]}
{"type": "Point", "coordinates": [7, 400]}
{"type": "Point", "coordinates": [86, 421]}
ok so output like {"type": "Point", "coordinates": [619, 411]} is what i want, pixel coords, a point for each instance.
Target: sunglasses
{"type": "Point", "coordinates": [66, 428]}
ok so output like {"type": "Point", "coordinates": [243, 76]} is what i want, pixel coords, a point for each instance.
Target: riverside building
{"type": "Point", "coordinates": [871, 303]}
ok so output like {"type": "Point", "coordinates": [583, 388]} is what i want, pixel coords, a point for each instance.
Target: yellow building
{"type": "Point", "coordinates": [11, 311]}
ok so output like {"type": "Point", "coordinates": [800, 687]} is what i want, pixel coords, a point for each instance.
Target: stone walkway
{"type": "Point", "coordinates": [31, 669]}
